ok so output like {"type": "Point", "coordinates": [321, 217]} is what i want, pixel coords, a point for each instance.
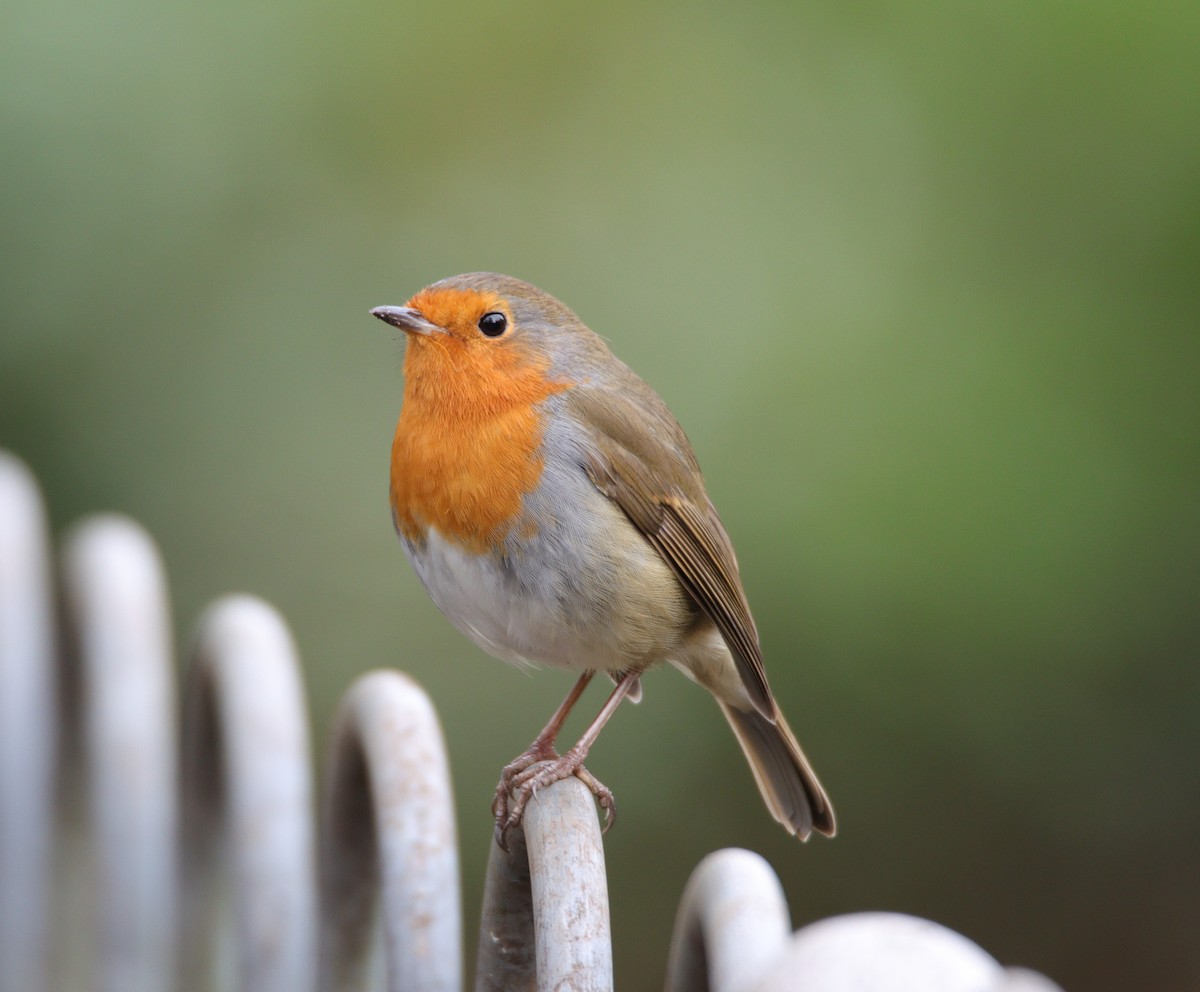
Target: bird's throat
{"type": "Point", "coordinates": [468, 445]}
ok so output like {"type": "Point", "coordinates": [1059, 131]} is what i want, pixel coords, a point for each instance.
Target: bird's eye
{"type": "Point", "coordinates": [493, 324]}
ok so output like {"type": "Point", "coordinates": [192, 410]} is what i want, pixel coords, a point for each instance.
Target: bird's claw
{"type": "Point", "coordinates": [537, 752]}
{"type": "Point", "coordinates": [521, 779]}
{"type": "Point", "coordinates": [603, 794]}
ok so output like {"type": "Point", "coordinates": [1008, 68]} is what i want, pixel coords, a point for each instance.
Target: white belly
{"type": "Point", "coordinates": [482, 601]}
{"type": "Point", "coordinates": [567, 600]}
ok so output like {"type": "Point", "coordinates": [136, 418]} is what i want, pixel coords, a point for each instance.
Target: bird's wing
{"type": "Point", "coordinates": [640, 458]}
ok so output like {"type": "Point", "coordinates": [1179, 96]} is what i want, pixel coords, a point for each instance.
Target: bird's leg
{"type": "Point", "coordinates": [542, 749]}
{"type": "Point", "coordinates": [523, 785]}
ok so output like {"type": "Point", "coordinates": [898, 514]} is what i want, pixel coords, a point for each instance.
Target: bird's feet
{"type": "Point", "coordinates": [538, 767]}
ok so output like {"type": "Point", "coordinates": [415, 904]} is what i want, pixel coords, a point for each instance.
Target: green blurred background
{"type": "Point", "coordinates": [920, 279]}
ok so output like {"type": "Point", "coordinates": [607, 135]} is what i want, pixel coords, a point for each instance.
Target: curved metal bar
{"type": "Point", "coordinates": [878, 950]}
{"type": "Point", "coordinates": [115, 602]}
{"type": "Point", "coordinates": [731, 925]}
{"type": "Point", "coordinates": [28, 741]}
{"type": "Point", "coordinates": [732, 935]}
{"type": "Point", "coordinates": [247, 780]}
{"type": "Point", "coordinates": [1024, 980]}
{"type": "Point", "coordinates": [505, 958]}
{"type": "Point", "coordinates": [389, 838]}
{"type": "Point", "coordinates": [551, 886]}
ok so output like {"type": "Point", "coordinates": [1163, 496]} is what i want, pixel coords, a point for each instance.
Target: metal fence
{"type": "Point", "coordinates": [147, 847]}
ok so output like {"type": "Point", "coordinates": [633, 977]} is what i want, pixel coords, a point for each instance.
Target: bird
{"type": "Point", "coordinates": [555, 513]}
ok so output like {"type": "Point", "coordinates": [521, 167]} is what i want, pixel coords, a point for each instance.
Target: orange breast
{"type": "Point", "coordinates": [467, 445]}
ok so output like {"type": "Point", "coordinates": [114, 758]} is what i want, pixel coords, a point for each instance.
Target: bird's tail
{"type": "Point", "coordinates": [785, 778]}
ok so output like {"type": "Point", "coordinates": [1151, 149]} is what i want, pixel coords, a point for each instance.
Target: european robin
{"type": "Point", "coordinates": [555, 513]}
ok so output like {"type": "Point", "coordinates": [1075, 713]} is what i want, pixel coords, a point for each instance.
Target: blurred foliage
{"type": "Point", "coordinates": [920, 280]}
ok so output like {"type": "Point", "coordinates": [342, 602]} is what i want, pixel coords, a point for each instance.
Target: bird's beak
{"type": "Point", "coordinates": [407, 319]}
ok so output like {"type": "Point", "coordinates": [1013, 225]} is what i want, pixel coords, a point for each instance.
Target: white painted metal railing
{"type": "Point", "coordinates": [196, 862]}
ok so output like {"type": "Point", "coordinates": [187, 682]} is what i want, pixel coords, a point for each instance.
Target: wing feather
{"type": "Point", "coordinates": [660, 491]}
